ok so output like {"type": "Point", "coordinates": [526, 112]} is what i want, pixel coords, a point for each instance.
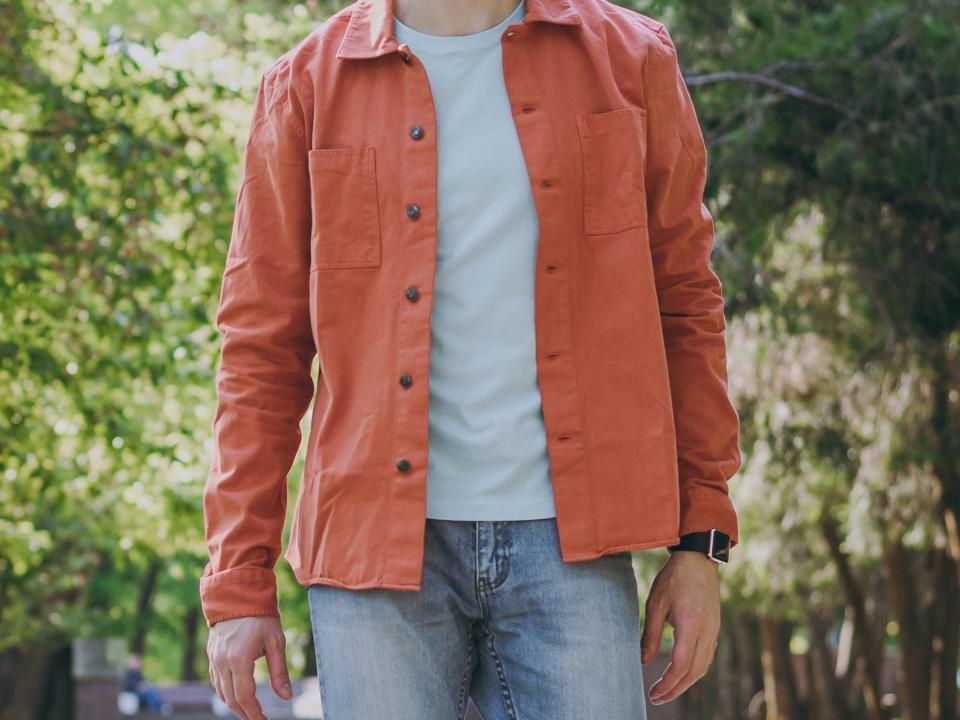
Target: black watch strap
{"type": "Point", "coordinates": [712, 543]}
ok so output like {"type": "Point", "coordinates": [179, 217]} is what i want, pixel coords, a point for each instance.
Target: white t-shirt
{"type": "Point", "coordinates": [488, 454]}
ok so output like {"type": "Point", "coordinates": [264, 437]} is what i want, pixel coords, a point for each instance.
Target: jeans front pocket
{"type": "Point", "coordinates": [613, 149]}
{"type": "Point", "coordinates": [345, 208]}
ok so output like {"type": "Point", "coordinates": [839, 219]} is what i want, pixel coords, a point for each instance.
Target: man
{"type": "Point", "coordinates": [486, 220]}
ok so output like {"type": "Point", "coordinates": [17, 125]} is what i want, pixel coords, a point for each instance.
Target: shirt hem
{"type": "Point", "coordinates": [363, 585]}
{"type": "Point", "coordinates": [646, 545]}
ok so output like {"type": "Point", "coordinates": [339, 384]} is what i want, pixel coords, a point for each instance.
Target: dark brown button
{"type": "Point", "coordinates": [413, 211]}
{"type": "Point", "coordinates": [551, 268]}
{"type": "Point", "coordinates": [528, 108]}
{"type": "Point", "coordinates": [406, 380]}
{"type": "Point", "coordinates": [416, 132]}
{"type": "Point", "coordinates": [546, 183]}
{"type": "Point", "coordinates": [403, 465]}
{"type": "Point", "coordinates": [553, 355]}
{"type": "Point", "coordinates": [412, 294]}
{"type": "Point", "coordinates": [405, 57]}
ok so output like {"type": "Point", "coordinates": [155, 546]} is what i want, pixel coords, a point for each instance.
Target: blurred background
{"type": "Point", "coordinates": [833, 133]}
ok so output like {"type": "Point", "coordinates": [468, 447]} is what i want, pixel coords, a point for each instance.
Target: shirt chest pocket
{"type": "Point", "coordinates": [613, 150]}
{"type": "Point", "coordinates": [345, 209]}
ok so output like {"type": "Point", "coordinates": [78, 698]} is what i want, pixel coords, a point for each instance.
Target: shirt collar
{"type": "Point", "coordinates": [370, 29]}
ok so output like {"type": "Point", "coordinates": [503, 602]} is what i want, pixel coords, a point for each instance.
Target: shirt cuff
{"type": "Point", "coordinates": [238, 592]}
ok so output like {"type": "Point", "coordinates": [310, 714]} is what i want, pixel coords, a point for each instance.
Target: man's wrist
{"type": "Point", "coordinates": [696, 557]}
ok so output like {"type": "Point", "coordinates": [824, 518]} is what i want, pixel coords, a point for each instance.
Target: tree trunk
{"type": "Point", "coordinates": [144, 603]}
{"type": "Point", "coordinates": [58, 698]}
{"type": "Point", "coordinates": [24, 674]}
{"type": "Point", "coordinates": [944, 639]}
{"type": "Point", "coordinates": [945, 430]}
{"type": "Point", "coordinates": [729, 703]}
{"type": "Point", "coordinates": [745, 633]}
{"type": "Point", "coordinates": [830, 701]}
{"type": "Point", "coordinates": [779, 685]}
{"type": "Point", "coordinates": [191, 626]}
{"type": "Point", "coordinates": [863, 635]}
{"type": "Point", "coordinates": [818, 705]}
{"type": "Point", "coordinates": [913, 644]}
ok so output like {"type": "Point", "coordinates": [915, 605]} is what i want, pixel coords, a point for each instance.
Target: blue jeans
{"type": "Point", "coordinates": [501, 619]}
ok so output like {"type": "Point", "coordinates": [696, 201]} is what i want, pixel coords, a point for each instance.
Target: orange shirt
{"type": "Point", "coordinates": [333, 254]}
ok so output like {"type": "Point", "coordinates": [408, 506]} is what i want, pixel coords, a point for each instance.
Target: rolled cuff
{"type": "Point", "coordinates": [704, 507]}
{"type": "Point", "coordinates": [238, 592]}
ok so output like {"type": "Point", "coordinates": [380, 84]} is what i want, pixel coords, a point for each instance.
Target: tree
{"type": "Point", "coordinates": [843, 113]}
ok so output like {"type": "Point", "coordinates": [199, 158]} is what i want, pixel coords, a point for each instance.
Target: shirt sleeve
{"type": "Point", "coordinates": [681, 235]}
{"type": "Point", "coordinates": [263, 378]}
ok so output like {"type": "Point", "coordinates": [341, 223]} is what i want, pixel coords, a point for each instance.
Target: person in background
{"type": "Point", "coordinates": [135, 682]}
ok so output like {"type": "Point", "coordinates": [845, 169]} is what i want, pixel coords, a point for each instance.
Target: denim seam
{"type": "Point", "coordinates": [505, 695]}
{"type": "Point", "coordinates": [480, 590]}
{"type": "Point", "coordinates": [477, 585]}
{"type": "Point", "coordinates": [501, 554]}
{"type": "Point", "coordinates": [461, 701]}
{"type": "Point", "coordinates": [501, 557]}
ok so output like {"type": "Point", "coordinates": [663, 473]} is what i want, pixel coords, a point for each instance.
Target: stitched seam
{"type": "Point", "coordinates": [500, 554]}
{"type": "Point", "coordinates": [505, 695]}
{"type": "Point", "coordinates": [461, 701]}
{"type": "Point", "coordinates": [476, 561]}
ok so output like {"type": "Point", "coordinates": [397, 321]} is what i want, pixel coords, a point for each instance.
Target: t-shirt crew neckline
{"type": "Point", "coordinates": [457, 43]}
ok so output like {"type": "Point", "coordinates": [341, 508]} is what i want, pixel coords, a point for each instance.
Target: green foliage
{"type": "Point", "coordinates": [864, 132]}
{"type": "Point", "coordinates": [120, 160]}
{"type": "Point", "coordinates": [833, 177]}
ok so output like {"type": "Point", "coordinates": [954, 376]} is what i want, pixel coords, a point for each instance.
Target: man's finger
{"type": "Point", "coordinates": [274, 648]}
{"type": "Point", "coordinates": [245, 690]}
{"type": "Point", "coordinates": [653, 621]}
{"type": "Point", "coordinates": [215, 682]}
{"type": "Point", "coordinates": [230, 696]}
{"type": "Point", "coordinates": [685, 643]}
{"type": "Point", "coordinates": [701, 661]}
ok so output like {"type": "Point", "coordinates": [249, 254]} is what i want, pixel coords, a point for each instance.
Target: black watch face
{"type": "Point", "coordinates": [721, 546]}
{"type": "Point", "coordinates": [722, 554]}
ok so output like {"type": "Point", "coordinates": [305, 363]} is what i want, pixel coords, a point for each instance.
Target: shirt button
{"type": "Point", "coordinates": [403, 465]}
{"type": "Point", "coordinates": [406, 380]}
{"type": "Point", "coordinates": [551, 268]}
{"type": "Point", "coordinates": [416, 132]}
{"type": "Point", "coordinates": [413, 211]}
{"type": "Point", "coordinates": [412, 294]}
{"type": "Point", "coordinates": [405, 57]}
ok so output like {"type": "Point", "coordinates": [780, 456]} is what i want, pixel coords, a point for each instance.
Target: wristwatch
{"type": "Point", "coordinates": [712, 543]}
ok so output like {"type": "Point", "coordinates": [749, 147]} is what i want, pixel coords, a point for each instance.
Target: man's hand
{"type": "Point", "coordinates": [686, 594]}
{"type": "Point", "coordinates": [233, 647]}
